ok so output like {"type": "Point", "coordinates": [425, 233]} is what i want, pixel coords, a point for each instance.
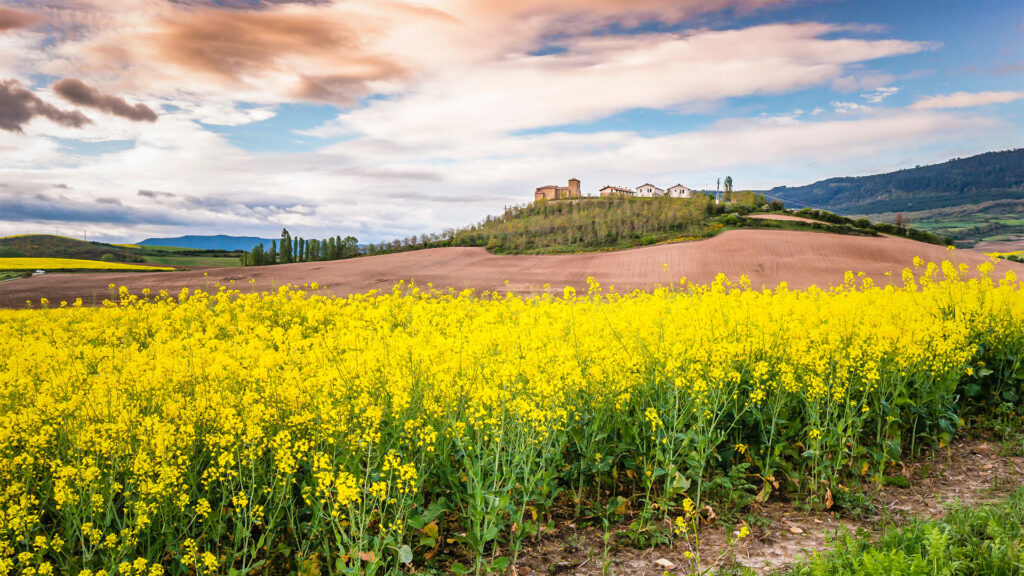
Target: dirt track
{"type": "Point", "coordinates": [768, 257]}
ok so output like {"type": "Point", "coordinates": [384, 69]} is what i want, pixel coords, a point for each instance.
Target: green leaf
{"type": "Point", "coordinates": [459, 569]}
{"type": "Point", "coordinates": [405, 554]}
{"type": "Point", "coordinates": [680, 483]}
{"type": "Point", "coordinates": [499, 564]}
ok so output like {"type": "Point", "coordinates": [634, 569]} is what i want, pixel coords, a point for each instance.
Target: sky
{"type": "Point", "coordinates": [128, 119]}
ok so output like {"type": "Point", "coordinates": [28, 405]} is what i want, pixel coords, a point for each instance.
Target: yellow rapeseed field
{"type": "Point", "coordinates": [233, 432]}
{"type": "Point", "coordinates": [71, 264]}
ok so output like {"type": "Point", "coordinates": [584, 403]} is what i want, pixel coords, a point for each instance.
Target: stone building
{"type": "Point", "coordinates": [553, 192]}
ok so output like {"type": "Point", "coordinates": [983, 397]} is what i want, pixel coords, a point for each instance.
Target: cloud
{"type": "Point", "coordinates": [880, 94]}
{"type": "Point", "coordinates": [862, 80]}
{"type": "Point", "coordinates": [331, 51]}
{"type": "Point", "coordinates": [848, 107]}
{"type": "Point", "coordinates": [39, 207]}
{"type": "Point", "coordinates": [155, 194]}
{"type": "Point", "coordinates": [20, 106]}
{"type": "Point", "coordinates": [596, 77]}
{"type": "Point", "coordinates": [78, 92]}
{"type": "Point", "coordinates": [11, 19]}
{"type": "Point", "coordinates": [966, 100]}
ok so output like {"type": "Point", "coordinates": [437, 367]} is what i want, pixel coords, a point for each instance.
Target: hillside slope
{"type": "Point", "coordinates": [767, 257]}
{"type": "Point", "coordinates": [982, 178]}
{"type": "Point", "coordinates": [51, 246]}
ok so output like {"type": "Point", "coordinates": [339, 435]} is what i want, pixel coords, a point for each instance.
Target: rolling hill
{"type": "Point", "coordinates": [980, 198]}
{"type": "Point", "coordinates": [51, 246]}
{"type": "Point", "coordinates": [768, 257]}
{"type": "Point", "coordinates": [983, 178]}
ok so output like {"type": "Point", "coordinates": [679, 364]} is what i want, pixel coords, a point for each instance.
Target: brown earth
{"type": "Point", "coordinates": [786, 217]}
{"type": "Point", "coordinates": [970, 472]}
{"type": "Point", "coordinates": [767, 257]}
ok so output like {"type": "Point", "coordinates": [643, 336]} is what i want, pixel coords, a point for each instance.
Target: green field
{"type": "Point", "coordinates": [195, 261]}
{"type": "Point", "coordinates": [968, 224]}
{"type": "Point", "coordinates": [970, 229]}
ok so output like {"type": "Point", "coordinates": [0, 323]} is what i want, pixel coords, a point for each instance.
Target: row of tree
{"type": "Point", "coordinates": [560, 226]}
{"type": "Point", "coordinates": [301, 250]}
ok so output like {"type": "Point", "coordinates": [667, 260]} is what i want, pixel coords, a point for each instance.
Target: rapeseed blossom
{"type": "Point", "coordinates": [206, 431]}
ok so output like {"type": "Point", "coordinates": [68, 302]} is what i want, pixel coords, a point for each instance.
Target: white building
{"type": "Point", "coordinates": [680, 191]}
{"type": "Point", "coordinates": [649, 190]}
{"type": "Point", "coordinates": [617, 191]}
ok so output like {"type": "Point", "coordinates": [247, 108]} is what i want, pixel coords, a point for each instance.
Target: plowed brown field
{"type": "Point", "coordinates": [768, 257]}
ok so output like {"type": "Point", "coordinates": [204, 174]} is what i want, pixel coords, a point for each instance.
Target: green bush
{"type": "Point", "coordinates": [969, 540]}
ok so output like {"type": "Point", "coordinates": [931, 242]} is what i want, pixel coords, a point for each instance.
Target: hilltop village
{"type": "Point", "coordinates": [573, 190]}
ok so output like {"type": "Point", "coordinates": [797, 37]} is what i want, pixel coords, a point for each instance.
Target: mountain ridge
{"type": "Point", "coordinates": [209, 242]}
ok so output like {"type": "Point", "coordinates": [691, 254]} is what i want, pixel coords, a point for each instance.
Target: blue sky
{"type": "Point", "coordinates": [135, 118]}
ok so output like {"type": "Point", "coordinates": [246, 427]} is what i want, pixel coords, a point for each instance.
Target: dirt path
{"type": "Point", "coordinates": [968, 472]}
{"type": "Point", "coordinates": [785, 217]}
{"type": "Point", "coordinates": [767, 257]}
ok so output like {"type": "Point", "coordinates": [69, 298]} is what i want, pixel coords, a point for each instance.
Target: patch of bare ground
{"type": "Point", "coordinates": [767, 257]}
{"type": "Point", "coordinates": [969, 472]}
{"type": "Point", "coordinates": [783, 217]}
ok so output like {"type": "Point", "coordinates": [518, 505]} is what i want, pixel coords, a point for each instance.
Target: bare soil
{"type": "Point", "coordinates": [968, 472]}
{"type": "Point", "coordinates": [785, 217]}
{"type": "Point", "coordinates": [767, 257]}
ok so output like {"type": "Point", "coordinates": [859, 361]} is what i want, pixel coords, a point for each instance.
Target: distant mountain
{"type": "Point", "coordinates": [976, 180]}
{"type": "Point", "coordinates": [218, 242]}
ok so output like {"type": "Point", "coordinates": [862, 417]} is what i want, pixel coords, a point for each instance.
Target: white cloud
{"type": "Point", "coordinates": [849, 107]}
{"type": "Point", "coordinates": [599, 76]}
{"type": "Point", "coordinates": [464, 125]}
{"type": "Point", "coordinates": [880, 94]}
{"type": "Point", "coordinates": [424, 189]}
{"type": "Point", "coordinates": [966, 100]}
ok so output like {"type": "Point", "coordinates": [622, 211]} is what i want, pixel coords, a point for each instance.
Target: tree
{"type": "Point", "coordinates": [350, 247]}
{"type": "Point", "coordinates": [257, 257]}
{"type": "Point", "coordinates": [272, 256]}
{"type": "Point", "coordinates": [286, 246]}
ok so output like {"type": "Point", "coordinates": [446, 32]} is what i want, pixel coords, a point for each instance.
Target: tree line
{"type": "Point", "coordinates": [301, 250]}
{"type": "Point", "coordinates": [571, 225]}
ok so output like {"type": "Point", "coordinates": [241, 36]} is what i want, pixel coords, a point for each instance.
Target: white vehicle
{"type": "Point", "coordinates": [39, 272]}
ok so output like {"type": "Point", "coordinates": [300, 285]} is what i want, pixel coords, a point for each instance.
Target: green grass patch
{"type": "Point", "coordinates": [969, 540]}
{"type": "Point", "coordinates": [195, 261]}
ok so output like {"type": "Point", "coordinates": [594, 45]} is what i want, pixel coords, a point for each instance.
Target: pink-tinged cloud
{"type": "Point", "coordinates": [11, 19]}
{"type": "Point", "coordinates": [18, 106]}
{"type": "Point", "coordinates": [328, 51]}
{"type": "Point", "coordinates": [600, 76]}
{"type": "Point", "coordinates": [78, 92]}
{"type": "Point", "coordinates": [966, 100]}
